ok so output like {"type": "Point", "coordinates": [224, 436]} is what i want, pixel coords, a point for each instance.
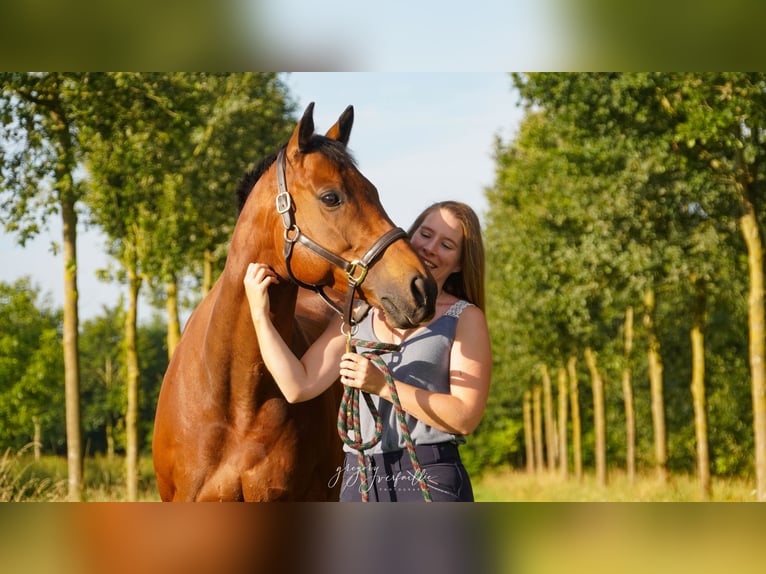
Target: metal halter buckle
{"type": "Point", "coordinates": [284, 203]}
{"type": "Point", "coordinates": [352, 268]}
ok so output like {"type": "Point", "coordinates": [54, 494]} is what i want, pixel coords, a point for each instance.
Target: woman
{"type": "Point", "coordinates": [441, 373]}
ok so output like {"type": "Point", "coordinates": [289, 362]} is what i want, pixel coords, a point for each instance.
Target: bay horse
{"type": "Point", "coordinates": [223, 430]}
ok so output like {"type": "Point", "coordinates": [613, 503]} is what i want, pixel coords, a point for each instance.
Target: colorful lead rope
{"type": "Point", "coordinates": [348, 416]}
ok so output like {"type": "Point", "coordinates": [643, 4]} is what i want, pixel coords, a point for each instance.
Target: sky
{"type": "Point", "coordinates": [419, 137]}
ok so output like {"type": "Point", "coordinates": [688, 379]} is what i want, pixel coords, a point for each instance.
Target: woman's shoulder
{"type": "Point", "coordinates": [457, 307]}
{"type": "Point", "coordinates": [462, 307]}
{"type": "Point", "coordinates": [469, 315]}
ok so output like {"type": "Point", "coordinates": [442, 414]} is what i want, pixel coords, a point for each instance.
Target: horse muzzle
{"type": "Point", "coordinates": [414, 308]}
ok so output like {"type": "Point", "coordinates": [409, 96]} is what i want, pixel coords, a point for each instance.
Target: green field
{"type": "Point", "coordinates": [511, 486]}
{"type": "Point", "coordinates": [23, 479]}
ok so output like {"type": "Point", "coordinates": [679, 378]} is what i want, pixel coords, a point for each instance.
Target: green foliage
{"type": "Point", "coordinates": [492, 445]}
{"type": "Point", "coordinates": [153, 362]}
{"type": "Point", "coordinates": [31, 368]}
{"type": "Point", "coordinates": [164, 160]}
{"type": "Point", "coordinates": [31, 374]}
{"type": "Point", "coordinates": [613, 185]}
{"type": "Point", "coordinates": [102, 375]}
{"type": "Point", "coordinates": [104, 378]}
{"type": "Point", "coordinates": [38, 150]}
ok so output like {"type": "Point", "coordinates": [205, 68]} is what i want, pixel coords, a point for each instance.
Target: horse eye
{"type": "Point", "coordinates": [331, 199]}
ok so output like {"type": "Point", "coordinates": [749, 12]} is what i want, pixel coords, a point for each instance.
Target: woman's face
{"type": "Point", "coordinates": [439, 243]}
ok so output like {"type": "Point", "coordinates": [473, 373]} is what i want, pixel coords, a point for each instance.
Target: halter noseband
{"type": "Point", "coordinates": [356, 271]}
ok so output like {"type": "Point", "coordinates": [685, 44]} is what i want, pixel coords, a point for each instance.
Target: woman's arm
{"type": "Point", "coordinates": [298, 379]}
{"type": "Point", "coordinates": [460, 410]}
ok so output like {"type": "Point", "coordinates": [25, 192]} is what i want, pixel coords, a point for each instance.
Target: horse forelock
{"type": "Point", "coordinates": [333, 150]}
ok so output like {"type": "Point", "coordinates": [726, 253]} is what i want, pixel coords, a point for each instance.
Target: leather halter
{"type": "Point", "coordinates": [356, 270]}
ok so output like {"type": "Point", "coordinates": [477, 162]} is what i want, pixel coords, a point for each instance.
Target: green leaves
{"type": "Point", "coordinates": [615, 184]}
{"type": "Point", "coordinates": [166, 155]}
{"type": "Point", "coordinates": [31, 366]}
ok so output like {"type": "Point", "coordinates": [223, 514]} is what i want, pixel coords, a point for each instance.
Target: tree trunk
{"type": "Point", "coordinates": [757, 351]}
{"type": "Point", "coordinates": [698, 389]}
{"type": "Point", "coordinates": [109, 440]}
{"type": "Point", "coordinates": [207, 272]}
{"type": "Point", "coordinates": [37, 441]}
{"type": "Point", "coordinates": [550, 436]}
{"type": "Point", "coordinates": [563, 415]}
{"type": "Point", "coordinates": [71, 346]}
{"type": "Point", "coordinates": [656, 388]}
{"type": "Point", "coordinates": [171, 308]}
{"type": "Point", "coordinates": [537, 418]}
{"type": "Point", "coordinates": [627, 393]}
{"type": "Point", "coordinates": [529, 446]}
{"type": "Point", "coordinates": [574, 404]}
{"type": "Point", "coordinates": [131, 360]}
{"type": "Point", "coordinates": [599, 419]}
{"type": "Point", "coordinates": [108, 378]}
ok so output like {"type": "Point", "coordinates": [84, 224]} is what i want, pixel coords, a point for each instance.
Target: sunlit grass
{"type": "Point", "coordinates": [24, 479]}
{"type": "Point", "coordinates": [20, 479]}
{"type": "Point", "coordinates": [508, 485]}
{"type": "Point", "coordinates": [45, 480]}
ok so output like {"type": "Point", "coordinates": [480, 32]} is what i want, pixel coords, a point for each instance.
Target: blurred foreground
{"type": "Point", "coordinates": [252, 35]}
{"type": "Point", "coordinates": [322, 538]}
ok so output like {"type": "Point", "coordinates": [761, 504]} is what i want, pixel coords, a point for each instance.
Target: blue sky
{"type": "Point", "coordinates": [419, 137]}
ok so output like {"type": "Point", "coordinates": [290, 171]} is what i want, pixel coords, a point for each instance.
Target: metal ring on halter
{"type": "Point", "coordinates": [297, 233]}
{"type": "Point", "coordinates": [351, 332]}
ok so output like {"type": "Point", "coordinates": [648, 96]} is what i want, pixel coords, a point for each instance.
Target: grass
{"type": "Point", "coordinates": [24, 479]}
{"type": "Point", "coordinates": [20, 480]}
{"type": "Point", "coordinates": [508, 485]}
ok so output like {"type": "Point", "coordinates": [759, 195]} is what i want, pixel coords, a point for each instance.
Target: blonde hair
{"type": "Point", "coordinates": [468, 283]}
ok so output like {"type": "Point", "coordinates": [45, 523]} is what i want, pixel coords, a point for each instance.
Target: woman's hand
{"type": "Point", "coordinates": [359, 372]}
{"type": "Point", "coordinates": [258, 277]}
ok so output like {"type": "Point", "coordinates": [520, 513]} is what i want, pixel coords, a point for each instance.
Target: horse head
{"type": "Point", "coordinates": [335, 233]}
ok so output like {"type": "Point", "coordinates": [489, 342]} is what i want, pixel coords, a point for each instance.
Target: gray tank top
{"type": "Point", "coordinates": [423, 361]}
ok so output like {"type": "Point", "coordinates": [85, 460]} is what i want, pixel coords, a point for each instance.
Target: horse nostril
{"type": "Point", "coordinates": [424, 293]}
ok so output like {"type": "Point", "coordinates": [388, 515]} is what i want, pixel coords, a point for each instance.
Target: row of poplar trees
{"type": "Point", "coordinates": [151, 160]}
{"type": "Point", "coordinates": [626, 274]}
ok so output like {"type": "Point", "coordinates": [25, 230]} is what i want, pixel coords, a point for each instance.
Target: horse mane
{"type": "Point", "coordinates": [330, 148]}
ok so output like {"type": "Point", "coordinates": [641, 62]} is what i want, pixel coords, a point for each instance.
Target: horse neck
{"type": "Point", "coordinates": [258, 234]}
{"type": "Point", "coordinates": [255, 239]}
{"type": "Point", "coordinates": [232, 354]}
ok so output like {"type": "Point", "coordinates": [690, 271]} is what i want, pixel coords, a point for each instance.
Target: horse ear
{"type": "Point", "coordinates": [341, 131]}
{"type": "Point", "coordinates": [304, 130]}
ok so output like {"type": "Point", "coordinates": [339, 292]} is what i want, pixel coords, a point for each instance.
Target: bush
{"type": "Point", "coordinates": [491, 448]}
